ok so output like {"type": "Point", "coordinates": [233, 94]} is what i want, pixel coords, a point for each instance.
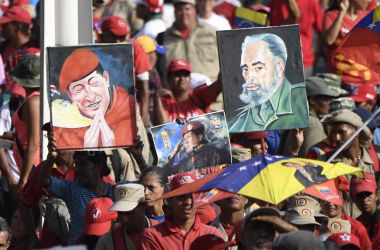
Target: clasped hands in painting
{"type": "Point", "coordinates": [99, 134]}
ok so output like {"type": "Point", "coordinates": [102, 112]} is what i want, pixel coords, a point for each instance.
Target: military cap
{"type": "Point", "coordinates": [342, 103]}
{"type": "Point", "coordinates": [79, 64]}
{"type": "Point", "coordinates": [334, 82]}
{"type": "Point", "coordinates": [27, 71]}
{"type": "Point", "coordinates": [196, 127]}
{"type": "Point", "coordinates": [317, 86]}
{"type": "Point", "coordinates": [349, 117]}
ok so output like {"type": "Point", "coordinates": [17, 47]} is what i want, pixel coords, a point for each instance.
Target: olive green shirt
{"type": "Point", "coordinates": [286, 109]}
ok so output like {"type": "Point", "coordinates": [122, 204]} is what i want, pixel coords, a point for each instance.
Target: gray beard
{"type": "Point", "coordinates": [260, 95]}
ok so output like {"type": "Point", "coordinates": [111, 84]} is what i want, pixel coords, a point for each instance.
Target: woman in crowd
{"type": "Point", "coordinates": [339, 19]}
{"type": "Point", "coordinates": [153, 179]}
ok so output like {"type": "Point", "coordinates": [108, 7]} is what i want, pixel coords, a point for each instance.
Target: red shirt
{"type": "Point", "coordinates": [373, 229]}
{"type": "Point", "coordinates": [347, 25]}
{"type": "Point", "coordinates": [359, 231]}
{"type": "Point", "coordinates": [141, 62]}
{"type": "Point", "coordinates": [196, 104]}
{"type": "Point", "coordinates": [310, 19]}
{"type": "Point", "coordinates": [10, 58]}
{"type": "Point", "coordinates": [168, 236]}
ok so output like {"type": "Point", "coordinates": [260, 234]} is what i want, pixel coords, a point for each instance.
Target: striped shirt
{"type": "Point", "coordinates": [76, 197]}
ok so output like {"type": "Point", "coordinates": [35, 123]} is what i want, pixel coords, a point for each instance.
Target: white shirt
{"type": "Point", "coordinates": [216, 21]}
{"type": "Point", "coordinates": [6, 125]}
{"type": "Point", "coordinates": [152, 28]}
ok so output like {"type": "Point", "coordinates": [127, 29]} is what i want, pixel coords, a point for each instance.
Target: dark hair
{"type": "Point", "coordinates": [158, 173]}
{"type": "Point", "coordinates": [25, 28]}
{"type": "Point", "coordinates": [334, 5]}
{"type": "Point", "coordinates": [4, 227]}
{"type": "Point", "coordinates": [98, 158]}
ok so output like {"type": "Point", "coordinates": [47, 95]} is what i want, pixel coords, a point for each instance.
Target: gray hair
{"type": "Point", "coordinates": [275, 44]}
{"type": "Point", "coordinates": [4, 227]}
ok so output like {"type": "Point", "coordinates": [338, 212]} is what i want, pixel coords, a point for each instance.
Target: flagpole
{"type": "Point", "coordinates": [337, 152]}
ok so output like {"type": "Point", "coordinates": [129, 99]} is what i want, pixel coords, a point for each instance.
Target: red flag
{"type": "Point", "coordinates": [357, 60]}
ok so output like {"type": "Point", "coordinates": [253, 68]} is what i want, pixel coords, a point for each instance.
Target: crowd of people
{"type": "Point", "coordinates": [113, 198]}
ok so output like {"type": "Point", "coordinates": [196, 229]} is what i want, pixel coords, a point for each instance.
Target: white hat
{"type": "Point", "coordinates": [127, 197]}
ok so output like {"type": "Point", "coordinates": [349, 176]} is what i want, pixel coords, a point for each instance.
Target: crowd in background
{"type": "Point", "coordinates": [112, 199]}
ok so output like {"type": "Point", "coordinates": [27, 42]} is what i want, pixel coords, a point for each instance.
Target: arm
{"type": "Point", "coordinates": [294, 12]}
{"type": "Point", "coordinates": [215, 88]}
{"type": "Point", "coordinates": [144, 100]}
{"type": "Point", "coordinates": [331, 33]}
{"type": "Point", "coordinates": [6, 171]}
{"type": "Point", "coordinates": [31, 115]}
{"type": "Point", "coordinates": [161, 116]}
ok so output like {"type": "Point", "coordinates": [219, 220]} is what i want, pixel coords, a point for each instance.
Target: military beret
{"type": "Point", "coordinates": [79, 64]}
{"type": "Point", "coordinates": [193, 126]}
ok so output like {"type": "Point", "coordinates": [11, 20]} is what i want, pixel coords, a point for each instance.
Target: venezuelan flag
{"type": "Point", "coordinates": [357, 59]}
{"type": "Point", "coordinates": [246, 18]}
{"type": "Point", "coordinates": [270, 178]}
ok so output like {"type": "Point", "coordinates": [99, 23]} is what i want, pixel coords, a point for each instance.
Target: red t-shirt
{"type": "Point", "coordinates": [359, 231]}
{"type": "Point", "coordinates": [141, 62]}
{"type": "Point", "coordinates": [310, 19]}
{"type": "Point", "coordinates": [196, 104]}
{"type": "Point", "coordinates": [347, 25]}
{"type": "Point", "coordinates": [168, 236]}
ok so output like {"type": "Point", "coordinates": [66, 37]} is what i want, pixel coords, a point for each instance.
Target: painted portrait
{"type": "Point", "coordinates": [198, 145]}
{"type": "Point", "coordinates": [92, 97]}
{"type": "Point", "coordinates": [262, 76]}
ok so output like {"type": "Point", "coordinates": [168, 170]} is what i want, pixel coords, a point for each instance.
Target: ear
{"type": "Point", "coordinates": [280, 67]}
{"type": "Point", "coordinates": [106, 76]}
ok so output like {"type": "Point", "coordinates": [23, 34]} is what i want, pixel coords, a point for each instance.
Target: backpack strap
{"type": "Point", "coordinates": [118, 238]}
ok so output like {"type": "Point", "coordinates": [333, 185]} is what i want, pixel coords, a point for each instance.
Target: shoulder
{"type": "Point", "coordinates": [154, 230]}
{"type": "Point", "coordinates": [205, 28]}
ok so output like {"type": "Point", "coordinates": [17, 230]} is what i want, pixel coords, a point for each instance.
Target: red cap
{"type": "Point", "coordinates": [344, 239]}
{"type": "Point", "coordinates": [367, 184]}
{"type": "Point", "coordinates": [192, 127]}
{"type": "Point", "coordinates": [98, 218]}
{"type": "Point", "coordinates": [152, 5]}
{"type": "Point", "coordinates": [365, 93]}
{"type": "Point", "coordinates": [116, 25]}
{"type": "Point", "coordinates": [181, 179]}
{"type": "Point", "coordinates": [79, 64]}
{"type": "Point", "coordinates": [177, 65]}
{"type": "Point", "coordinates": [16, 13]}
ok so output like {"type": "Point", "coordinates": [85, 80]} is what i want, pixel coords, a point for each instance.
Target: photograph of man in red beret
{"type": "Point", "coordinates": [200, 143]}
{"type": "Point", "coordinates": [89, 110]}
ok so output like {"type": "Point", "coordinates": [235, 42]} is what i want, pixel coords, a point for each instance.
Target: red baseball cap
{"type": "Point", "coordinates": [344, 239]}
{"type": "Point", "coordinates": [16, 13]}
{"type": "Point", "coordinates": [177, 65]}
{"type": "Point", "coordinates": [181, 179]}
{"type": "Point", "coordinates": [116, 25]}
{"type": "Point", "coordinates": [98, 217]}
{"type": "Point", "coordinates": [152, 5]}
{"type": "Point", "coordinates": [367, 184]}
{"type": "Point", "coordinates": [365, 93]}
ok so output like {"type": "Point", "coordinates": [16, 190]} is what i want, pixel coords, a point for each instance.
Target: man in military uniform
{"type": "Point", "coordinates": [195, 151]}
{"type": "Point", "coordinates": [272, 101]}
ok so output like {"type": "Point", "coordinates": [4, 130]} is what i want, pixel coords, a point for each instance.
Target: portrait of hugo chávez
{"type": "Point", "coordinates": [268, 100]}
{"type": "Point", "coordinates": [90, 103]}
